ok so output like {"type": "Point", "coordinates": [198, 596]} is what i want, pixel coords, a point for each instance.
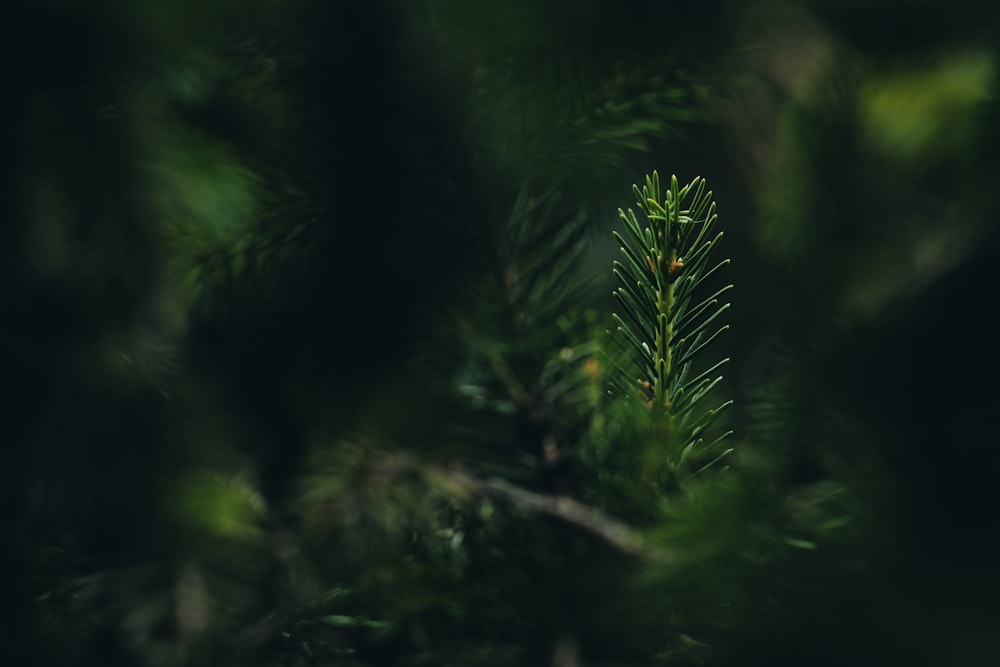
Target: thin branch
{"type": "Point", "coordinates": [612, 531]}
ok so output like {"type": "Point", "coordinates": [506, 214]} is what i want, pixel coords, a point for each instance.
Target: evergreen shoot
{"type": "Point", "coordinates": [666, 323]}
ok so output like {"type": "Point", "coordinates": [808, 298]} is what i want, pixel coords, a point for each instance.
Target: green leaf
{"type": "Point", "coordinates": [352, 622]}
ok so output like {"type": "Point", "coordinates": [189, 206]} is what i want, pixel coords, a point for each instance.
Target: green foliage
{"type": "Point", "coordinates": [306, 309]}
{"type": "Point", "coordinates": [667, 319]}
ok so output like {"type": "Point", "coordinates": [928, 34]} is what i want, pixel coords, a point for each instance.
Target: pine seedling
{"type": "Point", "coordinates": [667, 321]}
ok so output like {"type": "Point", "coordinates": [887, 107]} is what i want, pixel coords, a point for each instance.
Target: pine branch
{"type": "Point", "coordinates": [666, 261]}
{"type": "Point", "coordinates": [374, 480]}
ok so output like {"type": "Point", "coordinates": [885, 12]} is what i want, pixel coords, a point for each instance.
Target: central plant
{"type": "Point", "coordinates": [667, 320]}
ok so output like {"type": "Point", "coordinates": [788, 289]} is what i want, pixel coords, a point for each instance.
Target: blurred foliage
{"type": "Point", "coordinates": [303, 305]}
{"type": "Point", "coordinates": [923, 117]}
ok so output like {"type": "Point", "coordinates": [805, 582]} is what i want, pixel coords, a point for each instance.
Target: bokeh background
{"type": "Point", "coordinates": [251, 256]}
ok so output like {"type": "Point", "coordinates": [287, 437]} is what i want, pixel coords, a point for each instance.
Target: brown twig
{"type": "Point", "coordinates": [612, 531]}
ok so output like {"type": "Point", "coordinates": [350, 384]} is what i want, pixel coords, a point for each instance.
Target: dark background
{"type": "Point", "coordinates": [235, 233]}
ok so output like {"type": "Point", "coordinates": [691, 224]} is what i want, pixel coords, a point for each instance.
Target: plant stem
{"type": "Point", "coordinates": [666, 256]}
